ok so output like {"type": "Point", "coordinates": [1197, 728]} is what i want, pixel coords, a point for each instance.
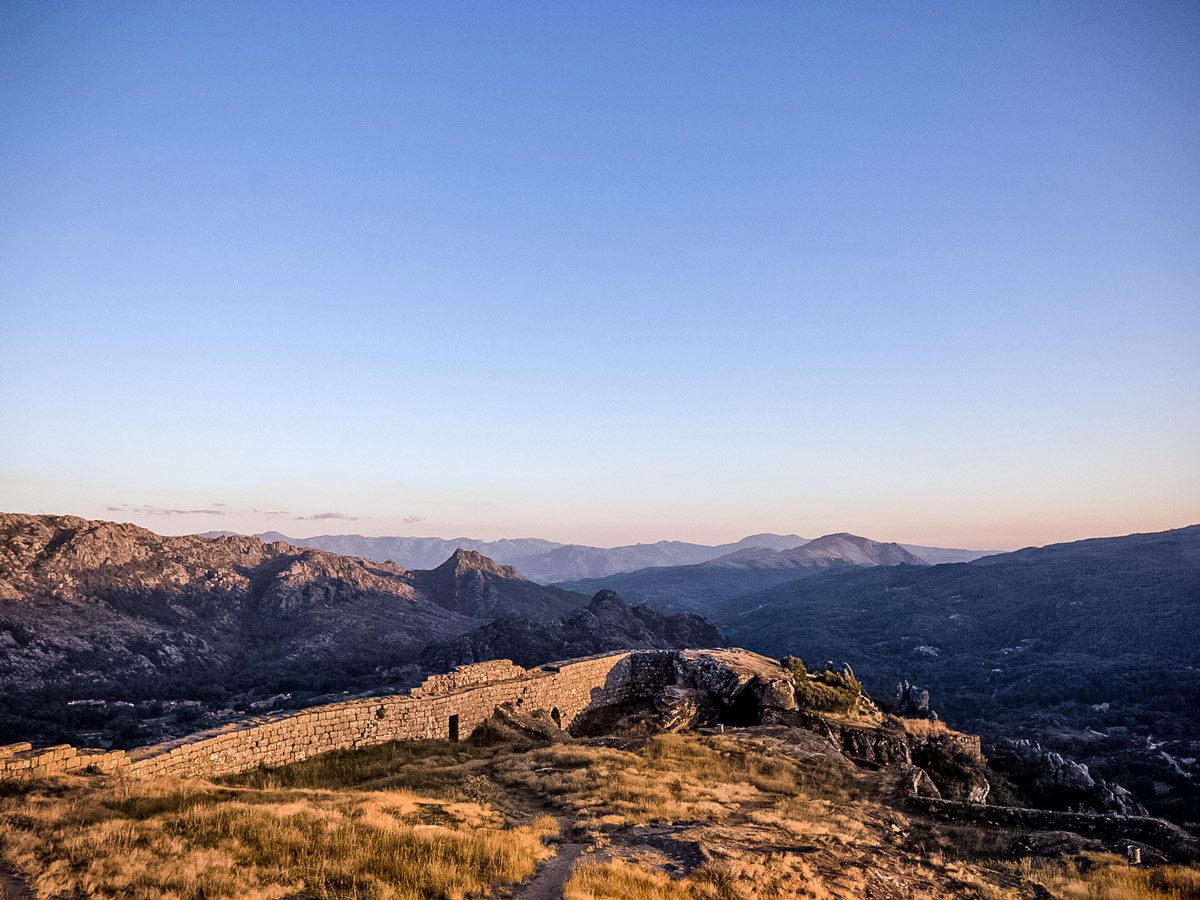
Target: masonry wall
{"type": "Point", "coordinates": [469, 693]}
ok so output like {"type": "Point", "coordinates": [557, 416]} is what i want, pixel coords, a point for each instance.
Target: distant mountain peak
{"type": "Point", "coordinates": [839, 548]}
{"type": "Point", "coordinates": [462, 561]}
{"type": "Point", "coordinates": [881, 553]}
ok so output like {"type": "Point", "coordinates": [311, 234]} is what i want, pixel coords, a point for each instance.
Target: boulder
{"type": "Point", "coordinates": [739, 686]}
{"type": "Point", "coordinates": [778, 693]}
{"type": "Point", "coordinates": [912, 702]}
{"type": "Point", "coordinates": [918, 783]}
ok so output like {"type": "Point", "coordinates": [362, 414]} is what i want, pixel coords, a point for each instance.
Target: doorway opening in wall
{"type": "Point", "coordinates": [556, 716]}
{"type": "Point", "coordinates": [454, 728]}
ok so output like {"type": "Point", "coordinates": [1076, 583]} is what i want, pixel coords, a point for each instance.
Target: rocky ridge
{"type": "Point", "coordinates": [91, 610]}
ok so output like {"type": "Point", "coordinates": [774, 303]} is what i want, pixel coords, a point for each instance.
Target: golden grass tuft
{"type": "Point", "coordinates": [1108, 877]}
{"type": "Point", "coordinates": [925, 728]}
{"type": "Point", "coordinates": [624, 881]}
{"type": "Point", "coordinates": [770, 876]}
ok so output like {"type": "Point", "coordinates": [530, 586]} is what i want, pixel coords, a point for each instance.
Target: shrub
{"type": "Point", "coordinates": [827, 691]}
{"type": "Point", "coordinates": [794, 666]}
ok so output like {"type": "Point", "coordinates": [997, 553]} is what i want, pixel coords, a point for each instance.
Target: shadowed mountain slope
{"type": "Point", "coordinates": [1104, 598]}
{"type": "Point", "coordinates": [1093, 643]}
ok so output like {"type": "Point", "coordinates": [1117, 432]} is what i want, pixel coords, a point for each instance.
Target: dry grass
{"type": "Point", "coordinates": [925, 728]}
{"type": "Point", "coordinates": [434, 819]}
{"type": "Point", "coordinates": [676, 777]}
{"type": "Point", "coordinates": [769, 876]}
{"type": "Point", "coordinates": [179, 840]}
{"type": "Point", "coordinates": [624, 881]}
{"type": "Point", "coordinates": [1107, 877]}
{"type": "Point", "coordinates": [433, 768]}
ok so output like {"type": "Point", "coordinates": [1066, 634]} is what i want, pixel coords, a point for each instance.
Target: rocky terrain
{"type": "Point", "coordinates": [111, 632]}
{"type": "Point", "coordinates": [1087, 647]}
{"type": "Point", "coordinates": [98, 611]}
{"type": "Point", "coordinates": [723, 785]}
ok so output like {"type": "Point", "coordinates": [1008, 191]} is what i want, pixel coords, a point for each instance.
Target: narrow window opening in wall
{"type": "Point", "coordinates": [454, 728]}
{"type": "Point", "coordinates": [556, 716]}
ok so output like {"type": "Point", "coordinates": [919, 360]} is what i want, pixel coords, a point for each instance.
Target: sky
{"type": "Point", "coordinates": [603, 272]}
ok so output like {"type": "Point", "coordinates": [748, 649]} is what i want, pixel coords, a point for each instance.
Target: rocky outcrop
{"type": "Point", "coordinates": [917, 783]}
{"type": "Point", "coordinates": [882, 746]}
{"type": "Point", "coordinates": [1164, 835]}
{"type": "Point", "coordinates": [735, 687]}
{"type": "Point", "coordinates": [912, 702]}
{"type": "Point", "coordinates": [677, 708]}
{"type": "Point", "coordinates": [1058, 782]}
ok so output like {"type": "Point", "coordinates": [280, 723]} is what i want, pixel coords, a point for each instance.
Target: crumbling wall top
{"type": "Point", "coordinates": [463, 677]}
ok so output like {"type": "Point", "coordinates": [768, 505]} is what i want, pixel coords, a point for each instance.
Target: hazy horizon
{"type": "Point", "coordinates": [603, 274]}
{"type": "Point", "coordinates": [158, 522]}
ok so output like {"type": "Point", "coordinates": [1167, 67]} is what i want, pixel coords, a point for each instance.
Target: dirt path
{"type": "Point", "coordinates": [12, 885]}
{"type": "Point", "coordinates": [550, 879]}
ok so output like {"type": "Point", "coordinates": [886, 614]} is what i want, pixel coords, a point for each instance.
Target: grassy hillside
{"type": "Point", "coordinates": [747, 815]}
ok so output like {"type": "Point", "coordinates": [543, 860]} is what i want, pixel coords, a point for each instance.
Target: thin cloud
{"type": "Point", "coordinates": [327, 515]}
{"type": "Point", "coordinates": [173, 511]}
{"type": "Point", "coordinates": [413, 520]}
{"type": "Point", "coordinates": [270, 512]}
{"type": "Point", "coordinates": [165, 510]}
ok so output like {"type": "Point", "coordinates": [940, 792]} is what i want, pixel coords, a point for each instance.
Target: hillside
{"type": "Point", "coordinates": [706, 588]}
{"type": "Point", "coordinates": [580, 561]}
{"type": "Point", "coordinates": [694, 775]}
{"type": "Point", "coordinates": [100, 612]}
{"type": "Point", "coordinates": [1090, 646]}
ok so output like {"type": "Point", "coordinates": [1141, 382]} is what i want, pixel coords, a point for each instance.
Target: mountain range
{"type": "Point", "coordinates": [95, 613]}
{"type": "Point", "coordinates": [548, 562]}
{"type": "Point", "coordinates": [1090, 646]}
{"type": "Point", "coordinates": [706, 587]}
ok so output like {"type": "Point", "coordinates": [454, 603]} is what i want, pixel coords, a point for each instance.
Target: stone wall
{"type": "Point", "coordinates": [449, 706]}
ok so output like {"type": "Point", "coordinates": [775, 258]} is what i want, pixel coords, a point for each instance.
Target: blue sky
{"type": "Point", "coordinates": [603, 272]}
